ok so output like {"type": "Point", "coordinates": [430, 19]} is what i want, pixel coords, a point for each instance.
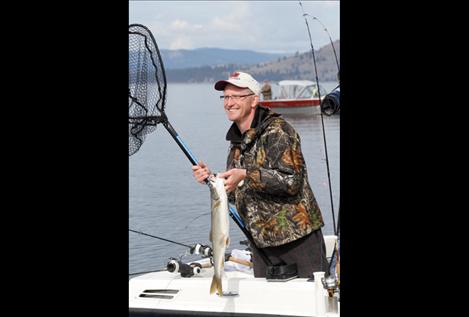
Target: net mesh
{"type": "Point", "coordinates": [147, 86]}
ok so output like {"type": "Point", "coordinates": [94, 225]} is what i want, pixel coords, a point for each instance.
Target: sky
{"type": "Point", "coordinates": [262, 26]}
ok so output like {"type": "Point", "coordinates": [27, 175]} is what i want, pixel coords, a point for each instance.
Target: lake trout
{"type": "Point", "coordinates": [219, 232]}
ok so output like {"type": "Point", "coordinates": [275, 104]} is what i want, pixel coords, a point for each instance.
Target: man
{"type": "Point", "coordinates": [266, 179]}
{"type": "Point", "coordinates": [266, 90]}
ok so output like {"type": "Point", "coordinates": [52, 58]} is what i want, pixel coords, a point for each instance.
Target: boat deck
{"type": "Point", "coordinates": [166, 293]}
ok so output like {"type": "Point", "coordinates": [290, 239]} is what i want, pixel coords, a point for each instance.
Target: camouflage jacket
{"type": "Point", "coordinates": [275, 200]}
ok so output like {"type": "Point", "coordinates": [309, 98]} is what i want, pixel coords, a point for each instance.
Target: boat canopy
{"type": "Point", "coordinates": [299, 89]}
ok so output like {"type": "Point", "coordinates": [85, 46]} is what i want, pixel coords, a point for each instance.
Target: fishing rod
{"type": "Point", "coordinates": [329, 104]}
{"type": "Point", "coordinates": [144, 272]}
{"type": "Point", "coordinates": [156, 237]}
{"type": "Point", "coordinates": [188, 270]}
{"type": "Point", "coordinates": [232, 211]}
{"type": "Point", "coordinates": [330, 39]}
{"type": "Point", "coordinates": [174, 265]}
{"type": "Point", "coordinates": [322, 119]}
{"type": "Point", "coordinates": [335, 252]}
{"type": "Point", "coordinates": [195, 249]}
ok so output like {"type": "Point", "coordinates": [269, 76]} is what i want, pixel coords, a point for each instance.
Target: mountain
{"type": "Point", "coordinates": [297, 66]}
{"type": "Point", "coordinates": [179, 59]}
{"type": "Point", "coordinates": [300, 66]}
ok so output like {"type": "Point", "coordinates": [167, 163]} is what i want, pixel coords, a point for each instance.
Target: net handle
{"type": "Point", "coordinates": [232, 211]}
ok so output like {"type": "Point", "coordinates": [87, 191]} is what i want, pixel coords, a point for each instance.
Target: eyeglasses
{"type": "Point", "coordinates": [234, 97]}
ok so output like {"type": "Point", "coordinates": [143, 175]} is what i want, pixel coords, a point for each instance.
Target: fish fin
{"type": "Point", "coordinates": [225, 240]}
{"type": "Point", "coordinates": [216, 286]}
{"type": "Point", "coordinates": [216, 204]}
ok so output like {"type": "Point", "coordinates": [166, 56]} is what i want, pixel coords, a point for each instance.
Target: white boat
{"type": "Point", "coordinates": [166, 293]}
{"type": "Point", "coordinates": [296, 97]}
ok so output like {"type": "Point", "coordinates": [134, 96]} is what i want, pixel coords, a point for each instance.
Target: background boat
{"type": "Point", "coordinates": [296, 97]}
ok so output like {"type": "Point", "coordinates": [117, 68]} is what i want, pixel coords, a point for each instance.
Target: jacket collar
{"type": "Point", "coordinates": [262, 117]}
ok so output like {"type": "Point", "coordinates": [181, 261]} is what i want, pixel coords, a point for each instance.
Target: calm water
{"type": "Point", "coordinates": [165, 200]}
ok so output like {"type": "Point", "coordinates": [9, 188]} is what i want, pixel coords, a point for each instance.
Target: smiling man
{"type": "Point", "coordinates": [266, 179]}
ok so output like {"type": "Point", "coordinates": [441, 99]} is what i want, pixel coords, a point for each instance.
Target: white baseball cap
{"type": "Point", "coordinates": [241, 80]}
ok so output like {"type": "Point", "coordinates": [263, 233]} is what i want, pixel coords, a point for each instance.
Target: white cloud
{"type": "Point", "coordinates": [223, 25]}
{"type": "Point", "coordinates": [275, 26]}
{"type": "Point", "coordinates": [181, 42]}
{"type": "Point", "coordinates": [235, 19]}
{"type": "Point", "coordinates": [180, 25]}
{"type": "Point", "coordinates": [181, 34]}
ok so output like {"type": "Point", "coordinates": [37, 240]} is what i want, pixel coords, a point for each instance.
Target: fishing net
{"type": "Point", "coordinates": [147, 86]}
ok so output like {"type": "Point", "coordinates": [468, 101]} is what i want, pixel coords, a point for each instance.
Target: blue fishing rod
{"type": "Point", "coordinates": [232, 211]}
{"type": "Point", "coordinates": [322, 119]}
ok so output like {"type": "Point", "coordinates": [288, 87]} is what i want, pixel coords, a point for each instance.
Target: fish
{"type": "Point", "coordinates": [219, 231]}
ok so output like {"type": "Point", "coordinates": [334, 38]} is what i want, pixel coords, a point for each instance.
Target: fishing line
{"type": "Point", "coordinates": [322, 120]}
{"type": "Point", "coordinates": [161, 270]}
{"type": "Point", "coordinates": [338, 238]}
{"type": "Point", "coordinates": [330, 103]}
{"type": "Point", "coordinates": [191, 221]}
{"type": "Point", "coordinates": [336, 252]}
{"type": "Point", "coordinates": [171, 241]}
{"type": "Point", "coordinates": [330, 39]}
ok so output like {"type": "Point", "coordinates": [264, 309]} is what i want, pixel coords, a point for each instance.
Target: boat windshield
{"type": "Point", "coordinates": [296, 91]}
{"type": "Point", "coordinates": [311, 92]}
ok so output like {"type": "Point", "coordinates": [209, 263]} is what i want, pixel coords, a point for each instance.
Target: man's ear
{"type": "Point", "coordinates": [255, 101]}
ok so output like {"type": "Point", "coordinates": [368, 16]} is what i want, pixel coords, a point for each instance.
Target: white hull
{"type": "Point", "coordinates": [315, 110]}
{"type": "Point", "coordinates": [165, 293]}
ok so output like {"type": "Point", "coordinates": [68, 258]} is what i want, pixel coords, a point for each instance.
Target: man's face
{"type": "Point", "coordinates": [239, 109]}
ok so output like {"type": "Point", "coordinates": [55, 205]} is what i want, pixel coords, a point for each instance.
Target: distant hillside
{"type": "Point", "coordinates": [298, 66]}
{"type": "Point", "coordinates": [179, 59]}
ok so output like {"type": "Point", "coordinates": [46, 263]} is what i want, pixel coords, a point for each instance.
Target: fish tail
{"type": "Point", "coordinates": [216, 286]}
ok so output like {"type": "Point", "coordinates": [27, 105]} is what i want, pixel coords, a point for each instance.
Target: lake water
{"type": "Point", "coordinates": [165, 200]}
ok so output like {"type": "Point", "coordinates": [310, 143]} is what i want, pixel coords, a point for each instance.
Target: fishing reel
{"type": "Point", "coordinates": [330, 284]}
{"type": "Point", "coordinates": [186, 270]}
{"type": "Point", "coordinates": [204, 250]}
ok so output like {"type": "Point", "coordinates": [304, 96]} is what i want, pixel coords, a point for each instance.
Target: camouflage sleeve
{"type": "Point", "coordinates": [231, 162]}
{"type": "Point", "coordinates": [231, 198]}
{"type": "Point", "coordinates": [281, 152]}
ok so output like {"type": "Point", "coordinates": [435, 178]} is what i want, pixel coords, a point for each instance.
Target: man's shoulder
{"type": "Point", "coordinates": [280, 125]}
{"type": "Point", "coordinates": [278, 121]}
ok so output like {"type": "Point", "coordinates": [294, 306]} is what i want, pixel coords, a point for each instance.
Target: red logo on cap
{"type": "Point", "coordinates": [234, 74]}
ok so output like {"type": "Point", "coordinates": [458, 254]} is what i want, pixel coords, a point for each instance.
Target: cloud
{"type": "Point", "coordinates": [180, 25]}
{"type": "Point", "coordinates": [224, 25]}
{"type": "Point", "coordinates": [182, 33]}
{"type": "Point", "coordinates": [275, 26]}
{"type": "Point", "coordinates": [236, 20]}
{"type": "Point", "coordinates": [180, 42]}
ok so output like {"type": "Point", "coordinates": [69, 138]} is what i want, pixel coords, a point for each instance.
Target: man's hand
{"type": "Point", "coordinates": [201, 172]}
{"type": "Point", "coordinates": [232, 178]}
